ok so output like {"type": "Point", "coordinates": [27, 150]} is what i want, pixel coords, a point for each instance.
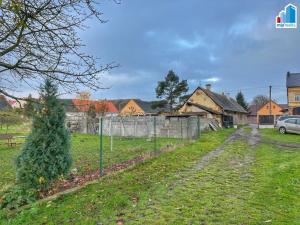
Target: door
{"type": "Point", "coordinates": [298, 126]}
{"type": "Point", "coordinates": [296, 111]}
{"type": "Point", "coordinates": [291, 125]}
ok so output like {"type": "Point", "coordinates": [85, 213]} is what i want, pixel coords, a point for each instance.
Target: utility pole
{"type": "Point", "coordinates": [270, 96]}
{"type": "Point", "coordinates": [270, 99]}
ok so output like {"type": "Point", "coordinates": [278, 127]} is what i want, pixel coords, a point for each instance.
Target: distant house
{"type": "Point", "coordinates": [268, 113]}
{"type": "Point", "coordinates": [261, 114]}
{"type": "Point", "coordinates": [16, 104]}
{"type": "Point", "coordinates": [102, 107]}
{"type": "Point", "coordinates": [77, 112]}
{"type": "Point", "coordinates": [120, 103]}
{"type": "Point", "coordinates": [137, 107]}
{"type": "Point", "coordinates": [4, 104]}
{"type": "Point", "coordinates": [252, 114]}
{"type": "Point", "coordinates": [207, 103]}
{"type": "Point", "coordinates": [293, 92]}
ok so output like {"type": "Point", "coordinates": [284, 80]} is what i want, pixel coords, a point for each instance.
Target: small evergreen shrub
{"type": "Point", "coordinates": [46, 153]}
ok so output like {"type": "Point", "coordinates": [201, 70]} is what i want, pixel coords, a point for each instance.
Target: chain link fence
{"type": "Point", "coordinates": [112, 143]}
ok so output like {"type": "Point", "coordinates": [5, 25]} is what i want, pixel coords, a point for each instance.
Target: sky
{"type": "Point", "coordinates": [231, 44]}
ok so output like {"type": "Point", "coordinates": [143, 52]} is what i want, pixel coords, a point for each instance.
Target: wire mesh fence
{"type": "Point", "coordinates": [123, 141]}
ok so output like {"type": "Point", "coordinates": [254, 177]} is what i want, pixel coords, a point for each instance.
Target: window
{"type": "Point", "coordinates": [297, 97]}
{"type": "Point", "coordinates": [298, 121]}
{"type": "Point", "coordinates": [291, 121]}
{"type": "Point", "coordinates": [282, 118]}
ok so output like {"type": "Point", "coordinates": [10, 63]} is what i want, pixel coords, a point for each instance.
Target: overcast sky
{"type": "Point", "coordinates": [232, 44]}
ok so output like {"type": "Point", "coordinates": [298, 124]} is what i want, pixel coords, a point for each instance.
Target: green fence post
{"type": "Point", "coordinates": [101, 146]}
{"type": "Point", "coordinates": [181, 129]}
{"type": "Point", "coordinates": [111, 143]}
{"type": "Point", "coordinates": [155, 144]}
{"type": "Point", "coordinates": [198, 126]}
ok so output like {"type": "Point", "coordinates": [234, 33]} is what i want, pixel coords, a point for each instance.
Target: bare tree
{"type": "Point", "coordinates": [39, 40]}
{"type": "Point", "coordinates": [260, 100]}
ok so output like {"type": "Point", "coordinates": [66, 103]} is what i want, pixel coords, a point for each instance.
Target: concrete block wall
{"type": "Point", "coordinates": [144, 126]}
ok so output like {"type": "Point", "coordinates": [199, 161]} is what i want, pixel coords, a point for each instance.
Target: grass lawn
{"type": "Point", "coordinates": [117, 193]}
{"type": "Point", "coordinates": [85, 152]}
{"type": "Point", "coordinates": [273, 134]}
{"type": "Point", "coordinates": [242, 185]}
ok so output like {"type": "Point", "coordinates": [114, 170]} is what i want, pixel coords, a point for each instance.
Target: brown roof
{"type": "Point", "coordinates": [84, 105]}
{"type": "Point", "coordinates": [203, 107]}
{"type": "Point", "coordinates": [225, 102]}
{"type": "Point", "coordinates": [253, 109]}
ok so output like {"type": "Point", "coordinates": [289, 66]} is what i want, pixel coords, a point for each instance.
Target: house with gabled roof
{"type": "Point", "coordinates": [206, 103]}
{"type": "Point", "coordinates": [77, 118]}
{"type": "Point", "coordinates": [293, 92]}
{"type": "Point", "coordinates": [103, 107]}
{"type": "Point", "coordinates": [4, 103]}
{"type": "Point", "coordinates": [138, 107]}
{"type": "Point", "coordinates": [269, 113]}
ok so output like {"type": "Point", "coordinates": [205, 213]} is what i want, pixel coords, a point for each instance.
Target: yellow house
{"type": "Point", "coordinates": [269, 112]}
{"type": "Point", "coordinates": [293, 92]}
{"type": "Point", "coordinates": [135, 107]}
{"type": "Point", "coordinates": [132, 108]}
{"type": "Point", "coordinates": [209, 104]}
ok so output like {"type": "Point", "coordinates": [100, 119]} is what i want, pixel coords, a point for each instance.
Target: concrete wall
{"type": "Point", "coordinates": [139, 126]}
{"type": "Point", "coordinates": [144, 126]}
{"type": "Point", "coordinates": [239, 118]}
{"type": "Point", "coordinates": [252, 119]}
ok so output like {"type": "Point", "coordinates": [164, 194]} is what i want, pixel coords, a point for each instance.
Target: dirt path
{"type": "Point", "coordinates": [253, 139]}
{"type": "Point", "coordinates": [282, 144]}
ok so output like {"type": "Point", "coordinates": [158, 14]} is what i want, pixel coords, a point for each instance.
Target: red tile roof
{"type": "Point", "coordinates": [100, 106]}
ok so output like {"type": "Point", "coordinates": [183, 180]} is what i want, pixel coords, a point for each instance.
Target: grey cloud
{"type": "Point", "coordinates": [235, 41]}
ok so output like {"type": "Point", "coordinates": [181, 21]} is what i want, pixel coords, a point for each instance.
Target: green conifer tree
{"type": "Point", "coordinates": [46, 153]}
{"type": "Point", "coordinates": [241, 100]}
{"type": "Point", "coordinates": [29, 107]}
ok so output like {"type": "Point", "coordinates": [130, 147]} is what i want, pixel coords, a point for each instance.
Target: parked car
{"type": "Point", "coordinates": [288, 125]}
{"type": "Point", "coordinates": [287, 117]}
{"type": "Point", "coordinates": [281, 118]}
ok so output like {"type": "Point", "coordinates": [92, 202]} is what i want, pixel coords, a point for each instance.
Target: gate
{"type": "Point", "coordinates": [228, 121]}
{"type": "Point", "coordinates": [266, 120]}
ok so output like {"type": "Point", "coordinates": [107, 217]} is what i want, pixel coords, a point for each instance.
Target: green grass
{"type": "Point", "coordinates": [85, 149]}
{"type": "Point", "coordinates": [273, 134]}
{"type": "Point", "coordinates": [85, 152]}
{"type": "Point", "coordinates": [277, 186]}
{"type": "Point", "coordinates": [242, 185]}
{"type": "Point", "coordinates": [115, 194]}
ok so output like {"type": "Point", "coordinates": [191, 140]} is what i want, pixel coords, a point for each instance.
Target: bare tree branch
{"type": "Point", "coordinates": [39, 40]}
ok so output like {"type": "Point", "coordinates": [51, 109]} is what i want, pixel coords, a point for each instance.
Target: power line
{"type": "Point", "coordinates": [255, 88]}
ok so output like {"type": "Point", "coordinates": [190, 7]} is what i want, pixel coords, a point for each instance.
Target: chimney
{"type": "Point", "coordinates": [208, 87]}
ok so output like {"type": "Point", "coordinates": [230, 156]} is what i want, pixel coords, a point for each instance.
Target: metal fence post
{"type": "Point", "coordinates": [187, 127]}
{"type": "Point", "coordinates": [181, 129]}
{"type": "Point", "coordinates": [155, 144]}
{"type": "Point", "coordinates": [111, 141]}
{"type": "Point", "coordinates": [101, 146]}
{"type": "Point", "coordinates": [198, 126]}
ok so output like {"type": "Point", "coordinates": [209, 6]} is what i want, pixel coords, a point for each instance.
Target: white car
{"type": "Point", "coordinates": [289, 124]}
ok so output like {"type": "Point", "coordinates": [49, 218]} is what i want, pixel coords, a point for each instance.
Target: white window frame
{"type": "Point", "coordinates": [297, 97]}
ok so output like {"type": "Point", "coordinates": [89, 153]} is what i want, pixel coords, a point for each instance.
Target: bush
{"type": "Point", "coordinates": [46, 153]}
{"type": "Point", "coordinates": [16, 197]}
